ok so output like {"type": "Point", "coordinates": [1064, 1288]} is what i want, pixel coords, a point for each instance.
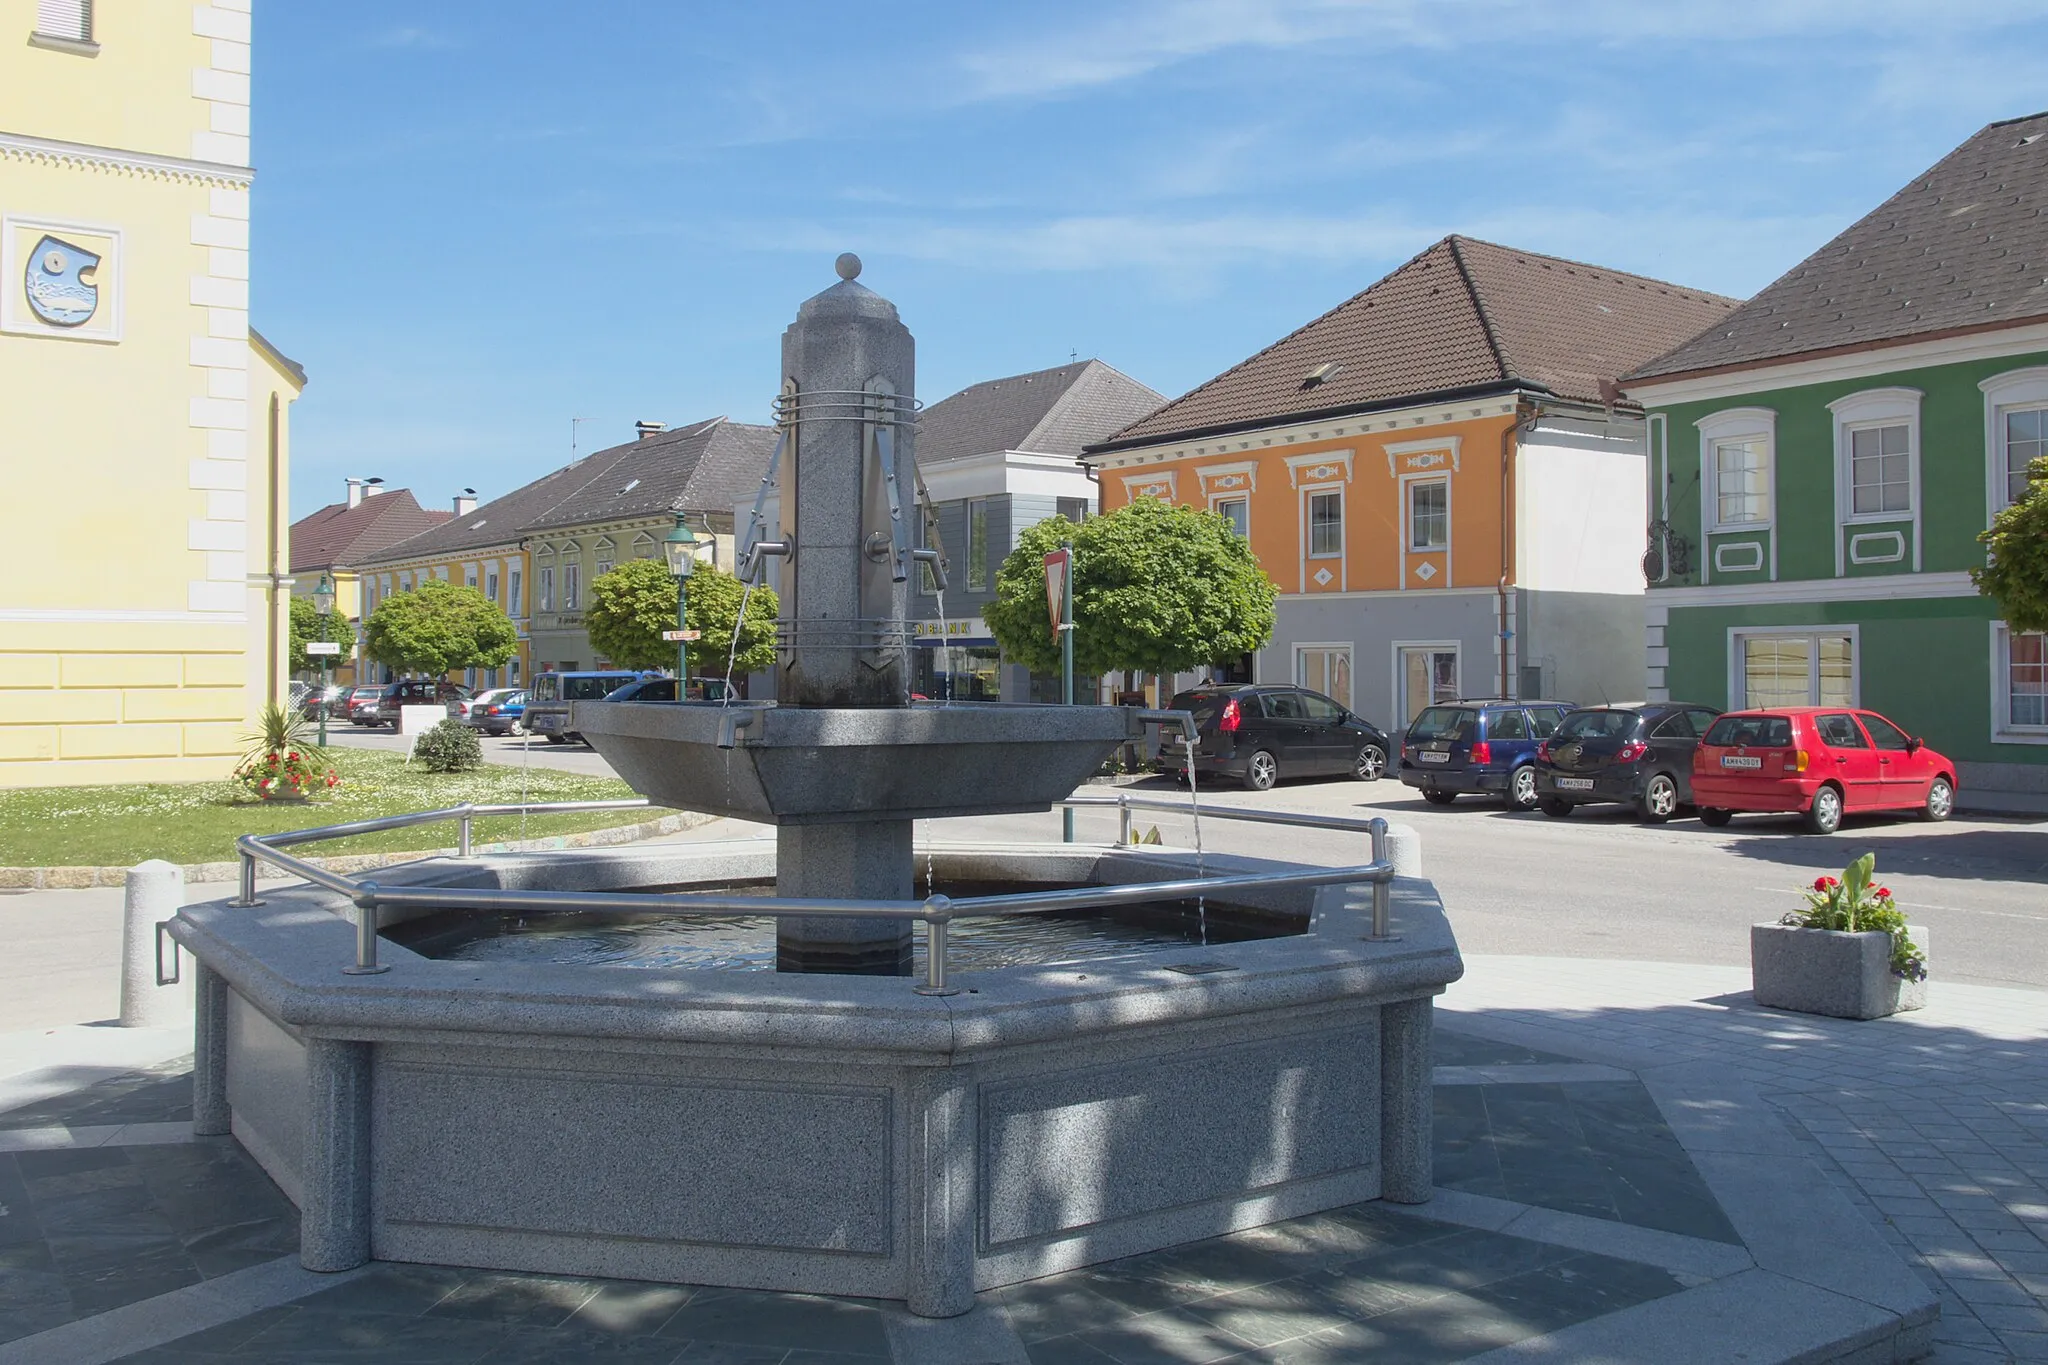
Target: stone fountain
{"type": "Point", "coordinates": [822, 1127]}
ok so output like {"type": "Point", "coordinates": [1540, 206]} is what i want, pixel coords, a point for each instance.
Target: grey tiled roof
{"type": "Point", "coordinates": [501, 520]}
{"type": "Point", "coordinates": [1964, 246]}
{"type": "Point", "coordinates": [706, 467]}
{"type": "Point", "coordinates": [1050, 412]}
{"type": "Point", "coordinates": [1463, 316]}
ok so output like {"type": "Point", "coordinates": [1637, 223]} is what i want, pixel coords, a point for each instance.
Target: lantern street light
{"type": "Point", "coordinates": [681, 548]}
{"type": "Point", "coordinates": [323, 606]}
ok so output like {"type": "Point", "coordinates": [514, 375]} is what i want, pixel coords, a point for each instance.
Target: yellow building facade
{"type": "Point", "coordinates": [144, 428]}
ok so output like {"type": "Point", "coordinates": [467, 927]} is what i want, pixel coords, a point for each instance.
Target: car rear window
{"type": "Point", "coordinates": [1584, 725]}
{"type": "Point", "coordinates": [1203, 706]}
{"type": "Point", "coordinates": [1757, 732]}
{"type": "Point", "coordinates": [1444, 722]}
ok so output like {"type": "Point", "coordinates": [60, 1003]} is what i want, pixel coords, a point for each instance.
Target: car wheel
{"type": "Point", "coordinates": [1715, 819]}
{"type": "Point", "coordinates": [515, 729]}
{"type": "Point", "coordinates": [1261, 771]}
{"type": "Point", "coordinates": [1941, 800]}
{"type": "Point", "coordinates": [1659, 801]}
{"type": "Point", "coordinates": [1371, 763]}
{"type": "Point", "coordinates": [1521, 793]}
{"type": "Point", "coordinates": [1554, 805]}
{"type": "Point", "coordinates": [1824, 816]}
{"type": "Point", "coordinates": [1437, 798]}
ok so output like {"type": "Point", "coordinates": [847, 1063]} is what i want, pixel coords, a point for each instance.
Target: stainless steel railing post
{"type": "Point", "coordinates": [1123, 819]}
{"type": "Point", "coordinates": [462, 840]}
{"type": "Point", "coordinates": [366, 963]}
{"type": "Point", "coordinates": [245, 888]}
{"type": "Point", "coordinates": [937, 911]}
{"type": "Point", "coordinates": [1382, 886]}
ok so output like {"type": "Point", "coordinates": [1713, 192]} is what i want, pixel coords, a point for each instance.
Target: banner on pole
{"type": "Point", "coordinates": [1057, 566]}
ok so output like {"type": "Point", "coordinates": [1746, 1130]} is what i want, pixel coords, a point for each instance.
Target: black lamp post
{"type": "Point", "coordinates": [323, 605]}
{"type": "Point", "coordinates": [681, 548]}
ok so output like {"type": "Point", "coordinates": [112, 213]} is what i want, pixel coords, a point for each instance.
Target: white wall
{"type": "Point", "coordinates": [1579, 519]}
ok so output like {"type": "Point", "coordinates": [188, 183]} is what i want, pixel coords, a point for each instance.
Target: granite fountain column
{"type": "Point", "coordinates": [849, 379]}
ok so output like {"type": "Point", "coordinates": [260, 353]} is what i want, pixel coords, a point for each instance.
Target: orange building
{"type": "Point", "coordinates": [1439, 476]}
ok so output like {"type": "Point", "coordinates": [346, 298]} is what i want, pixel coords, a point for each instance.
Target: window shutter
{"type": "Point", "coordinates": [65, 19]}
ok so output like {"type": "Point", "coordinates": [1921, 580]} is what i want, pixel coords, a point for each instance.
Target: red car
{"type": "Point", "coordinates": [1819, 761]}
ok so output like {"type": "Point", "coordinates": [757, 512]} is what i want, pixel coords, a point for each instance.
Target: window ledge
{"type": "Point", "coordinates": [75, 46]}
{"type": "Point", "coordinates": [1736, 528]}
{"type": "Point", "coordinates": [1878, 518]}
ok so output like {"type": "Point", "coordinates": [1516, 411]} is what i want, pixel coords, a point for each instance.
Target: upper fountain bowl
{"type": "Point", "coordinates": [816, 766]}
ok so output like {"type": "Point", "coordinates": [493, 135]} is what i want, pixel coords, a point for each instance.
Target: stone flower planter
{"type": "Point", "coordinates": [1826, 971]}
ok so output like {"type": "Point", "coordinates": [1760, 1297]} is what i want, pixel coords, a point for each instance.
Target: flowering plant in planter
{"type": "Point", "coordinates": [1851, 904]}
{"type": "Point", "coordinates": [279, 765]}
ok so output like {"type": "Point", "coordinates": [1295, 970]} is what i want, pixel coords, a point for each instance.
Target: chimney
{"type": "Point", "coordinates": [465, 502]}
{"type": "Point", "coordinates": [355, 492]}
{"type": "Point", "coordinates": [646, 428]}
{"type": "Point", "coordinates": [372, 487]}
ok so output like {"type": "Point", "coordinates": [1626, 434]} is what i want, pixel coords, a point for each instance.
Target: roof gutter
{"type": "Point", "coordinates": [1491, 387]}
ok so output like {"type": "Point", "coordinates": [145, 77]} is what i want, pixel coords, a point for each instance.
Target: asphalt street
{"type": "Point", "coordinates": [1599, 884]}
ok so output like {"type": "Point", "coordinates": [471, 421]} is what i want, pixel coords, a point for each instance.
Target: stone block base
{"type": "Point", "coordinates": [1823, 971]}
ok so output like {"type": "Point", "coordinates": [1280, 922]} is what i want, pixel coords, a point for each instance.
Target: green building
{"type": "Point", "coordinates": [1823, 460]}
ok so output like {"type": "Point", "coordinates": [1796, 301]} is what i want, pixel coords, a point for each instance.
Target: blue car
{"type": "Point", "coordinates": [500, 711]}
{"type": "Point", "coordinates": [1483, 745]}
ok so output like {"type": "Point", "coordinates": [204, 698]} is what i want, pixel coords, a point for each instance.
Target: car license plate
{"type": "Point", "coordinates": [1740, 761]}
{"type": "Point", "coordinates": [1575, 784]}
{"type": "Point", "coordinates": [1427, 757]}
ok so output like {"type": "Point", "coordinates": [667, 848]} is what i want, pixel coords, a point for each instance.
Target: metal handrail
{"type": "Point", "coordinates": [935, 912]}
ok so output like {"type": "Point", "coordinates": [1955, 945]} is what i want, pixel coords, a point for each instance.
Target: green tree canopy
{"type": "Point", "coordinates": [2016, 577]}
{"type": "Point", "coordinates": [305, 627]}
{"type": "Point", "coordinates": [437, 627]}
{"type": "Point", "coordinates": [1157, 589]}
{"type": "Point", "coordinates": [633, 604]}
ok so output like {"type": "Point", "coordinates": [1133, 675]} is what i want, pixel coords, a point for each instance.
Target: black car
{"type": "Point", "coordinates": [1479, 744]}
{"type": "Point", "coordinates": [1259, 734]}
{"type": "Point", "coordinates": [417, 692]}
{"type": "Point", "coordinates": [1637, 754]}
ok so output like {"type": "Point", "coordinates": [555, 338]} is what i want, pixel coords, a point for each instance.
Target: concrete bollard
{"type": "Point", "coordinates": [156, 891]}
{"type": "Point", "coordinates": [1404, 849]}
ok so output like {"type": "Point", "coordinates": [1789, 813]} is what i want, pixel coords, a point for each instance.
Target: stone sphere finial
{"type": "Point", "coordinates": [848, 265]}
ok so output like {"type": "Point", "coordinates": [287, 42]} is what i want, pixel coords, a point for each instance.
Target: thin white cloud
{"type": "Point", "coordinates": [412, 38]}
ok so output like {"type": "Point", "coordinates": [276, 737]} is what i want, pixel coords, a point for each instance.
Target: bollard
{"type": "Point", "coordinates": [1404, 849]}
{"type": "Point", "coordinates": [155, 892]}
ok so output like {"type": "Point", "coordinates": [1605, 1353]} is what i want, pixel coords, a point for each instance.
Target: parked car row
{"type": "Point", "coordinates": [1821, 762]}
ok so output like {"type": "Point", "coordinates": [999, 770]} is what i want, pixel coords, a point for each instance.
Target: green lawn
{"type": "Point", "coordinates": [198, 822]}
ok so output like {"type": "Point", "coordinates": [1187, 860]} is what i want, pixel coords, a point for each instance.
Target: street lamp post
{"type": "Point", "coordinates": [681, 548]}
{"type": "Point", "coordinates": [323, 605]}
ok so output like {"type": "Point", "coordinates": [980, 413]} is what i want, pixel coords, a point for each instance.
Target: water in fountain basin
{"type": "Point", "coordinates": [706, 942]}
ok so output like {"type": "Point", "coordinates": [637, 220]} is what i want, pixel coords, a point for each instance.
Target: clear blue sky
{"type": "Point", "coordinates": [475, 221]}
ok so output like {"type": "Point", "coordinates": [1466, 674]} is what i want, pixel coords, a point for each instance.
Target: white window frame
{"type": "Point", "coordinates": [572, 585]}
{"type": "Point", "coordinates": [2015, 389]}
{"type": "Point", "coordinates": [69, 27]}
{"type": "Point", "coordinates": [1865, 410]}
{"type": "Point", "coordinates": [1738, 688]}
{"type": "Point", "coordinates": [2003, 731]}
{"type": "Point", "coordinates": [469, 575]}
{"type": "Point", "coordinates": [1344, 647]}
{"type": "Point", "coordinates": [1408, 487]}
{"type": "Point", "coordinates": [1454, 648]}
{"type": "Point", "coordinates": [544, 588]}
{"type": "Point", "coordinates": [1216, 501]}
{"type": "Point", "coordinates": [1737, 424]}
{"type": "Point", "coordinates": [491, 583]}
{"type": "Point", "coordinates": [514, 584]}
{"type": "Point", "coordinates": [1308, 521]}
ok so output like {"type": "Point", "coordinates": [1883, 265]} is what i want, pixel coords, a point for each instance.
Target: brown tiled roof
{"type": "Point", "coordinates": [1965, 246]}
{"type": "Point", "coordinates": [1465, 316]}
{"type": "Point", "coordinates": [340, 535]}
{"type": "Point", "coordinates": [1050, 412]}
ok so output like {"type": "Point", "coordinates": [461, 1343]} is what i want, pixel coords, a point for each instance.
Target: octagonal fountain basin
{"type": "Point", "coordinates": [832, 1134]}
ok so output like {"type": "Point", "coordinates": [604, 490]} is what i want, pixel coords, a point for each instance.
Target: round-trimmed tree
{"type": "Point", "coordinates": [1157, 589]}
{"type": "Point", "coordinates": [632, 605]}
{"type": "Point", "coordinates": [2016, 575]}
{"type": "Point", "coordinates": [437, 628]}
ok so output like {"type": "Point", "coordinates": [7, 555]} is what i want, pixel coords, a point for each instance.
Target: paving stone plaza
{"type": "Point", "coordinates": [1657, 1171]}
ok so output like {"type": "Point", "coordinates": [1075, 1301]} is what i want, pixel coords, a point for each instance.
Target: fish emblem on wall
{"type": "Point", "coordinates": [56, 282]}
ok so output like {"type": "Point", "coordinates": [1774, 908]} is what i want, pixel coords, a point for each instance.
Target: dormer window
{"type": "Point", "coordinates": [65, 26]}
